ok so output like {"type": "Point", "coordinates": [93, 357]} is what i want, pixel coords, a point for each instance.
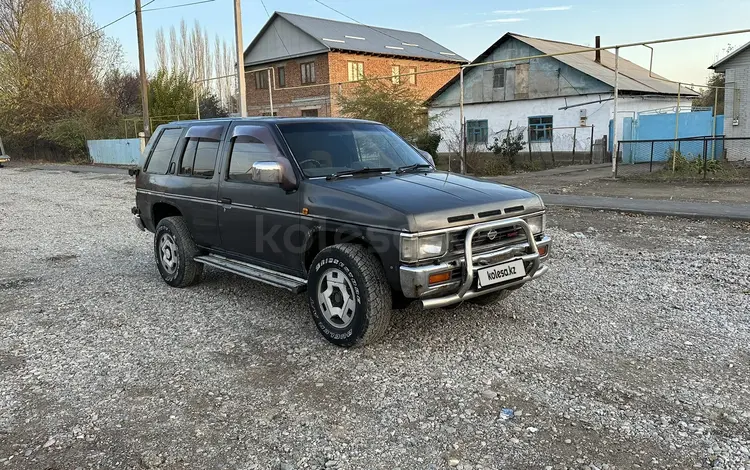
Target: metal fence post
{"type": "Point", "coordinates": [591, 149]}
{"type": "Point", "coordinates": [651, 160]}
{"type": "Point", "coordinates": [705, 157]}
{"type": "Point", "coordinates": [574, 145]}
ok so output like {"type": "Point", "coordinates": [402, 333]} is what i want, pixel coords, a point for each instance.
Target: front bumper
{"type": "Point", "coordinates": [139, 223]}
{"type": "Point", "coordinates": [4, 159]}
{"type": "Point", "coordinates": [415, 279]}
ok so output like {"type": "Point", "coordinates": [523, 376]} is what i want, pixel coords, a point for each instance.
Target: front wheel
{"type": "Point", "coordinates": [350, 300]}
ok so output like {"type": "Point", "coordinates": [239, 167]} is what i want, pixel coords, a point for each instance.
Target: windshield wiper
{"type": "Point", "coordinates": [416, 166]}
{"type": "Point", "coordinates": [359, 171]}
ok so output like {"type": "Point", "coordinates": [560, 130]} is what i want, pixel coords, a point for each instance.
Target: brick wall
{"type": "Point", "coordinates": [333, 67]}
{"type": "Point", "coordinates": [377, 66]}
{"type": "Point", "coordinates": [291, 102]}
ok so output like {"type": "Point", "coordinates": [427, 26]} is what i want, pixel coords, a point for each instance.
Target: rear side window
{"type": "Point", "coordinates": [199, 158]}
{"type": "Point", "coordinates": [162, 154]}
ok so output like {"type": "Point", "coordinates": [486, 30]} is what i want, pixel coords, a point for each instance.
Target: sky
{"type": "Point", "coordinates": [468, 27]}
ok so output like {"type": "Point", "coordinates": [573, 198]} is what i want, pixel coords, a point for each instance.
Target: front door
{"type": "Point", "coordinates": [259, 222]}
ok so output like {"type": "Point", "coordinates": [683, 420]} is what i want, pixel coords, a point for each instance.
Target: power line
{"type": "Point", "coordinates": [274, 28]}
{"type": "Point", "coordinates": [97, 29]}
{"type": "Point", "coordinates": [372, 28]}
{"type": "Point", "coordinates": [178, 6]}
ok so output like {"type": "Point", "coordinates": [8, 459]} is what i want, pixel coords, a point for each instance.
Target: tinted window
{"type": "Point", "coordinates": [247, 150]}
{"type": "Point", "coordinates": [205, 158]}
{"type": "Point", "coordinates": [323, 148]}
{"type": "Point", "coordinates": [199, 158]}
{"type": "Point", "coordinates": [162, 154]}
{"type": "Point", "coordinates": [188, 157]}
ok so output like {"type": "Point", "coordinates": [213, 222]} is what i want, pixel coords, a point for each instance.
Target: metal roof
{"type": "Point", "coordinates": [721, 62]}
{"type": "Point", "coordinates": [633, 78]}
{"type": "Point", "coordinates": [339, 35]}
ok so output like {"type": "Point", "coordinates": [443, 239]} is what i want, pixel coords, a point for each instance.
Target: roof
{"type": "Point", "coordinates": [721, 62]}
{"type": "Point", "coordinates": [270, 119]}
{"type": "Point", "coordinates": [354, 37]}
{"type": "Point", "coordinates": [633, 78]}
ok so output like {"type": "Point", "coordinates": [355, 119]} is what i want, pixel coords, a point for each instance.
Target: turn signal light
{"type": "Point", "coordinates": [442, 277]}
{"type": "Point", "coordinates": [542, 250]}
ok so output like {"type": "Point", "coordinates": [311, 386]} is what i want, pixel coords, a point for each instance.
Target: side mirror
{"type": "Point", "coordinates": [267, 172]}
{"type": "Point", "coordinates": [427, 157]}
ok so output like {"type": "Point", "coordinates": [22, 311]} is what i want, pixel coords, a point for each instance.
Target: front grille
{"type": "Point", "coordinates": [482, 242]}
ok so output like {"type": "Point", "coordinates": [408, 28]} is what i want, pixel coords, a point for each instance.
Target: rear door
{"type": "Point", "coordinates": [259, 222]}
{"type": "Point", "coordinates": [195, 180]}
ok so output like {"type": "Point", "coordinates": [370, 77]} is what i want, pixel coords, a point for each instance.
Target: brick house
{"type": "Point", "coordinates": [306, 61]}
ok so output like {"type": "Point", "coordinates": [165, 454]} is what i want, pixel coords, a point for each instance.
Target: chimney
{"type": "Point", "coordinates": [598, 42]}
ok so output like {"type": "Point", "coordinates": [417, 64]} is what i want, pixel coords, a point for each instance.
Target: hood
{"type": "Point", "coordinates": [439, 200]}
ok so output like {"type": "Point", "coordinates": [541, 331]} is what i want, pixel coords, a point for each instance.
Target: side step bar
{"type": "Point", "coordinates": [254, 272]}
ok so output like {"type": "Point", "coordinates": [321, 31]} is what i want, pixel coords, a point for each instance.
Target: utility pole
{"type": "Point", "coordinates": [240, 58]}
{"type": "Point", "coordinates": [142, 65]}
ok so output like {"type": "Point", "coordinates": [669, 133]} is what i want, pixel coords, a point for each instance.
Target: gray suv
{"type": "Point", "coordinates": [343, 209]}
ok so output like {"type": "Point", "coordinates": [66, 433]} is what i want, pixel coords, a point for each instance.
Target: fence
{"type": "Point", "coordinates": [559, 146]}
{"type": "Point", "coordinates": [133, 126]}
{"type": "Point", "coordinates": [690, 158]}
{"type": "Point", "coordinates": [115, 151]}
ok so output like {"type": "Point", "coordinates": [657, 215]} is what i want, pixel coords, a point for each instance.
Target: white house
{"type": "Point", "coordinates": [549, 96]}
{"type": "Point", "coordinates": [736, 69]}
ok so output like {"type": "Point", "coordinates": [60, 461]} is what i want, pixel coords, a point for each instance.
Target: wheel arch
{"type": "Point", "coordinates": [161, 210]}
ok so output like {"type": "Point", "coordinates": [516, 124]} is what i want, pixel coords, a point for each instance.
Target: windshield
{"type": "Point", "coordinates": [325, 148]}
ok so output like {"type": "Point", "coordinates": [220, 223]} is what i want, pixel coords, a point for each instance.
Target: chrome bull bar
{"type": "Point", "coordinates": [464, 292]}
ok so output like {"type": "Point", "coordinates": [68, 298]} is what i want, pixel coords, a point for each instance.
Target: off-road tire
{"type": "Point", "coordinates": [372, 294]}
{"type": "Point", "coordinates": [491, 298]}
{"type": "Point", "coordinates": [187, 271]}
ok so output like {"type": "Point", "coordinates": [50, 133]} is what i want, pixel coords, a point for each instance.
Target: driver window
{"type": "Point", "coordinates": [247, 150]}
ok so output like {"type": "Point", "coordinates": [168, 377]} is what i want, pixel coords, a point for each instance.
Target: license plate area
{"type": "Point", "coordinates": [500, 273]}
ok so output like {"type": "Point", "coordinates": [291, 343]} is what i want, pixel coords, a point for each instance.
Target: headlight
{"type": "Point", "coordinates": [537, 224]}
{"type": "Point", "coordinates": [418, 248]}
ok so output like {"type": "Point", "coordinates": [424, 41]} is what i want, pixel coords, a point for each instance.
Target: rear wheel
{"type": "Point", "coordinates": [175, 249]}
{"type": "Point", "coordinates": [491, 298]}
{"type": "Point", "coordinates": [349, 298]}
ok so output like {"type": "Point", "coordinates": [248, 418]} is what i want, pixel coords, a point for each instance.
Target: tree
{"type": "Point", "coordinates": [171, 94]}
{"type": "Point", "coordinates": [51, 68]}
{"type": "Point", "coordinates": [211, 107]}
{"type": "Point", "coordinates": [395, 105]}
{"type": "Point", "coordinates": [708, 95]}
{"type": "Point", "coordinates": [191, 52]}
{"type": "Point", "coordinates": [124, 91]}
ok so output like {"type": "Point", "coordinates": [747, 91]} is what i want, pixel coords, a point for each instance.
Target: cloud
{"type": "Point", "coordinates": [490, 22]}
{"type": "Point", "coordinates": [532, 10]}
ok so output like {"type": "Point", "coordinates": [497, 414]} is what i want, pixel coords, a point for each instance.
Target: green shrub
{"type": "Point", "coordinates": [429, 142]}
{"type": "Point", "coordinates": [691, 165]}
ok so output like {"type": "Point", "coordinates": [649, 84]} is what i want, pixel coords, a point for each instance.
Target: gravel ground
{"type": "Point", "coordinates": [632, 353]}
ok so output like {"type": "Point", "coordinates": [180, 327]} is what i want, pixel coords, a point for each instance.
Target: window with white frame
{"type": "Point", "coordinates": [395, 74]}
{"type": "Point", "coordinates": [356, 70]}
